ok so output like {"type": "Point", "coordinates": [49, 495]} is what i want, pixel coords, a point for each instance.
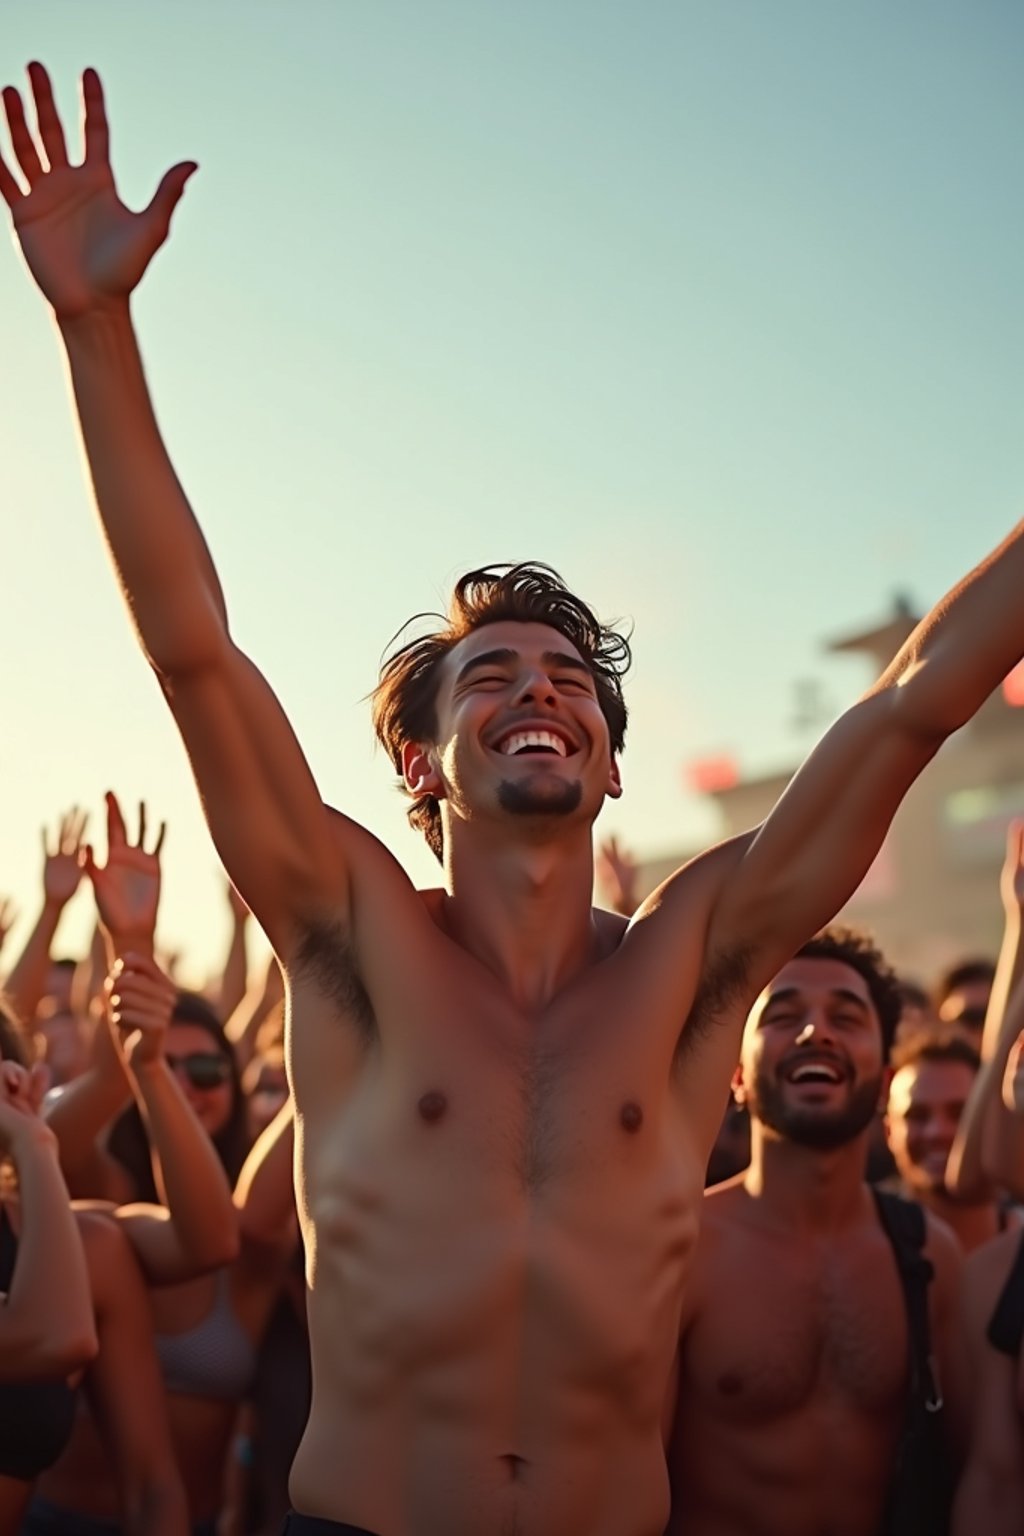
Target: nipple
{"type": "Point", "coordinates": [631, 1116]}
{"type": "Point", "coordinates": [432, 1106]}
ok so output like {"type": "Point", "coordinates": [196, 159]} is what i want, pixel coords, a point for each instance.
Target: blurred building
{"type": "Point", "coordinates": [932, 894]}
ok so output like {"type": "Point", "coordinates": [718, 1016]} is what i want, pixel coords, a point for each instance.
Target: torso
{"type": "Point", "coordinates": [498, 1212]}
{"type": "Point", "coordinates": [794, 1375]}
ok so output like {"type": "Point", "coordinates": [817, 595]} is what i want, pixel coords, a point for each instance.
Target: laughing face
{"type": "Point", "coordinates": [812, 1065]}
{"type": "Point", "coordinates": [520, 731]}
{"type": "Point", "coordinates": [926, 1100]}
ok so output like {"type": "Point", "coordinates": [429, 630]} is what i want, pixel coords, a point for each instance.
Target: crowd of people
{"type": "Point", "coordinates": [154, 1369]}
{"type": "Point", "coordinates": [495, 1299]}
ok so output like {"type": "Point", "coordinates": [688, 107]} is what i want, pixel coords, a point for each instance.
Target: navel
{"type": "Point", "coordinates": [432, 1106]}
{"type": "Point", "coordinates": [631, 1116]}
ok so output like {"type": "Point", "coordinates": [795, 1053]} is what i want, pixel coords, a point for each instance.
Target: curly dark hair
{"type": "Point", "coordinates": [404, 700]}
{"type": "Point", "coordinates": [856, 948]}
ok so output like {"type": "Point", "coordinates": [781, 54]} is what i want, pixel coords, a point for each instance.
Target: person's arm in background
{"type": "Point", "coordinates": [62, 872]}
{"type": "Point", "coordinates": [124, 1387]}
{"type": "Point", "coordinates": [127, 893]}
{"type": "Point", "coordinates": [8, 918]}
{"type": "Point", "coordinates": [616, 872]}
{"type": "Point", "coordinates": [46, 1325]}
{"type": "Point", "coordinates": [243, 1027]}
{"type": "Point", "coordinates": [265, 1192]}
{"type": "Point", "coordinates": [235, 975]}
{"type": "Point", "coordinates": [990, 1498]}
{"type": "Point", "coordinates": [989, 1145]}
{"type": "Point", "coordinates": [197, 1228]}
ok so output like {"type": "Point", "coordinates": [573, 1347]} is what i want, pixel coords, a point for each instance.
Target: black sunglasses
{"type": "Point", "coordinates": [204, 1069]}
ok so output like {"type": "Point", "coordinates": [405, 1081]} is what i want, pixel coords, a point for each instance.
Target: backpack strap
{"type": "Point", "coordinates": [906, 1228]}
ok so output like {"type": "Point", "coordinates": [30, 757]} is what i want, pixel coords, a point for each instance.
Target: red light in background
{"type": "Point", "coordinates": [1013, 687]}
{"type": "Point", "coordinates": [708, 775]}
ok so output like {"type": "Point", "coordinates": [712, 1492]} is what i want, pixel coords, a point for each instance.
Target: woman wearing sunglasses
{"type": "Point", "coordinates": [166, 1050]}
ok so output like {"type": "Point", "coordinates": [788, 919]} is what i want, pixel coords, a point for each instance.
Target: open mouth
{"type": "Point", "coordinates": [534, 743]}
{"type": "Point", "coordinates": [820, 1073]}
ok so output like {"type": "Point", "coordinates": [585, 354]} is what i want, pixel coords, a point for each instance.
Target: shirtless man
{"type": "Point", "coordinates": [933, 1075]}
{"type": "Point", "coordinates": [502, 1123]}
{"type": "Point", "coordinates": [795, 1335]}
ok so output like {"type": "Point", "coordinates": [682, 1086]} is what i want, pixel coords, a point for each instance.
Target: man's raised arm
{"type": "Point", "coordinates": [817, 844]}
{"type": "Point", "coordinates": [87, 252]}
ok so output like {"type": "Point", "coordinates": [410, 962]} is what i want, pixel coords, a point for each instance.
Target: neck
{"type": "Point", "coordinates": [803, 1187]}
{"type": "Point", "coordinates": [972, 1223]}
{"type": "Point", "coordinates": [523, 909]}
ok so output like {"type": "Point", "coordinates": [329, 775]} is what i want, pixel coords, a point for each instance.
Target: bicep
{"type": "Point", "coordinates": [822, 836]}
{"type": "Point", "coordinates": [151, 1231]}
{"type": "Point", "coordinates": [261, 802]}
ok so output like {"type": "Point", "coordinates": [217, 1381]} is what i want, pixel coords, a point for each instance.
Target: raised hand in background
{"type": "Point", "coordinates": [127, 887]}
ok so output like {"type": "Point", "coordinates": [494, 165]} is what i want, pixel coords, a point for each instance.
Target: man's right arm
{"type": "Point", "coordinates": [87, 252]}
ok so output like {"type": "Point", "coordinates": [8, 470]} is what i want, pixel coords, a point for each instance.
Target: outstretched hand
{"type": "Point", "coordinates": [64, 858]}
{"type": "Point", "coordinates": [616, 873]}
{"type": "Point", "coordinates": [84, 248]}
{"type": "Point", "coordinates": [127, 887]}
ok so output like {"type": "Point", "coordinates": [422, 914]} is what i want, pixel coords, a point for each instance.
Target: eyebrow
{"type": "Point", "coordinates": [501, 658]}
{"type": "Point", "coordinates": [843, 993]}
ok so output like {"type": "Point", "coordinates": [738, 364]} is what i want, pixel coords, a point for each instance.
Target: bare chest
{"type": "Point", "coordinates": [822, 1326]}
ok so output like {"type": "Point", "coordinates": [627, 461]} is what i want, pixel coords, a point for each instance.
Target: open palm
{"type": "Point", "coordinates": [127, 887]}
{"type": "Point", "coordinates": [80, 242]}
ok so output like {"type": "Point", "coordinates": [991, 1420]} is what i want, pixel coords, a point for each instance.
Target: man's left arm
{"type": "Point", "coordinates": [819, 841]}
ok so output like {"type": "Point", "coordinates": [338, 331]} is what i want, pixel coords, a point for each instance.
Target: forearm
{"type": "Point", "coordinates": [27, 981]}
{"type": "Point", "coordinates": [265, 1192]}
{"type": "Point", "coordinates": [990, 1141]}
{"type": "Point", "coordinates": [81, 1111]}
{"type": "Point", "coordinates": [236, 965]}
{"type": "Point", "coordinates": [190, 1177]}
{"type": "Point", "coordinates": [966, 646]}
{"type": "Point", "coordinates": [47, 1322]}
{"type": "Point", "coordinates": [160, 555]}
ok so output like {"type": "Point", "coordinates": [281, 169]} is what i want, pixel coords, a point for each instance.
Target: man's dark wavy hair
{"type": "Point", "coordinates": [404, 701]}
{"type": "Point", "coordinates": [856, 949]}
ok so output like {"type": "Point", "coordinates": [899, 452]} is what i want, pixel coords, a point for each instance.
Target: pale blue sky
{"type": "Point", "coordinates": [716, 307]}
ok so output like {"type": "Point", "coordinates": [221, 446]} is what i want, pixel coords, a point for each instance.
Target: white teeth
{"type": "Point", "coordinates": [814, 1071]}
{"type": "Point", "coordinates": [521, 740]}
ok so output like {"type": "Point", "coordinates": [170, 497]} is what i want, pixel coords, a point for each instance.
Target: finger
{"type": "Point", "coordinates": [142, 823]}
{"type": "Point", "coordinates": [81, 822]}
{"type": "Point", "coordinates": [96, 130]}
{"type": "Point", "coordinates": [116, 832]}
{"type": "Point", "coordinates": [50, 130]}
{"type": "Point", "coordinates": [89, 861]}
{"type": "Point", "coordinates": [68, 840]}
{"type": "Point", "coordinates": [10, 189]}
{"type": "Point", "coordinates": [160, 839]}
{"type": "Point", "coordinates": [21, 139]}
{"type": "Point", "coordinates": [38, 1085]}
{"type": "Point", "coordinates": [165, 199]}
{"type": "Point", "coordinates": [46, 844]}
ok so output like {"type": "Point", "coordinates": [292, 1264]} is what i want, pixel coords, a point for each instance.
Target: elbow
{"type": "Point", "coordinates": [57, 1353]}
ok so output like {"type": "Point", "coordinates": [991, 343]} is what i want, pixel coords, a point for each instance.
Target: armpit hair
{"type": "Point", "coordinates": [723, 987]}
{"type": "Point", "coordinates": [325, 954]}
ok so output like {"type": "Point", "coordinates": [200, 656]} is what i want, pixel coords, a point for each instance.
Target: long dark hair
{"type": "Point", "coordinates": [128, 1141]}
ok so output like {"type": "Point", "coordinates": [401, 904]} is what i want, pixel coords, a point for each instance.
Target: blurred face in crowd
{"type": "Point", "coordinates": [59, 980]}
{"type": "Point", "coordinates": [204, 1072]}
{"type": "Point", "coordinates": [966, 1006]}
{"type": "Point", "coordinates": [65, 1040]}
{"type": "Point", "coordinates": [926, 1100]}
{"type": "Point", "coordinates": [812, 1065]}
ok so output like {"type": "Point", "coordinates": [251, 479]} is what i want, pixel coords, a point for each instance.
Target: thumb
{"type": "Point", "coordinates": [167, 196]}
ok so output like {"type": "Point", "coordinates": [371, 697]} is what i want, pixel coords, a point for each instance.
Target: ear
{"type": "Point", "coordinates": [614, 786]}
{"type": "Point", "coordinates": [738, 1086]}
{"type": "Point", "coordinates": [419, 772]}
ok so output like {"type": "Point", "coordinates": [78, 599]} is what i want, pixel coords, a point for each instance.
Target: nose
{"type": "Point", "coordinates": [535, 687]}
{"type": "Point", "coordinates": [816, 1030]}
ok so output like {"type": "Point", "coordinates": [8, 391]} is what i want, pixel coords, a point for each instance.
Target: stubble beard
{"type": "Point", "coordinates": [521, 797]}
{"type": "Point", "coordinates": [820, 1130]}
